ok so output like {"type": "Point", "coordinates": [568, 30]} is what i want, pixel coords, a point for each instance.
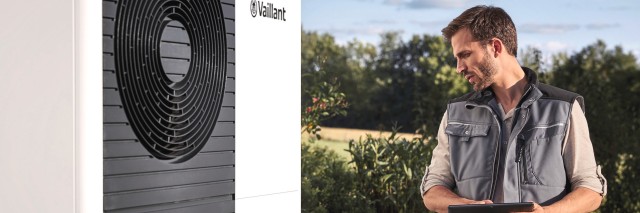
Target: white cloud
{"type": "Point", "coordinates": [636, 52]}
{"type": "Point", "coordinates": [551, 46]}
{"type": "Point", "coordinates": [423, 4]}
{"type": "Point", "coordinates": [383, 22]}
{"type": "Point", "coordinates": [429, 24]}
{"type": "Point", "coordinates": [601, 26]}
{"type": "Point", "coordinates": [365, 31]}
{"type": "Point", "coordinates": [436, 3]}
{"type": "Point", "coordinates": [548, 28]}
{"type": "Point", "coordinates": [555, 46]}
{"type": "Point", "coordinates": [562, 28]}
{"type": "Point", "coordinates": [370, 34]}
{"type": "Point", "coordinates": [394, 2]}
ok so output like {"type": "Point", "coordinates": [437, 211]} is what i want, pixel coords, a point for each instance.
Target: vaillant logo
{"type": "Point", "coordinates": [267, 10]}
{"type": "Point", "coordinates": [254, 8]}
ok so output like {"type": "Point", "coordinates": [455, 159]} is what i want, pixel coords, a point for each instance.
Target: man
{"type": "Point", "coordinates": [513, 139]}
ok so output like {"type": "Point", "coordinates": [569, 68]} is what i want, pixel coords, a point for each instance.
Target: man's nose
{"type": "Point", "coordinates": [460, 67]}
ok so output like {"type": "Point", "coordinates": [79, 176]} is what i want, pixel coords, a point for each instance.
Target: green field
{"type": "Point", "coordinates": [336, 139]}
{"type": "Point", "coordinates": [337, 146]}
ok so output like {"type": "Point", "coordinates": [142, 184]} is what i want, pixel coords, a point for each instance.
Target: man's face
{"type": "Point", "coordinates": [473, 58]}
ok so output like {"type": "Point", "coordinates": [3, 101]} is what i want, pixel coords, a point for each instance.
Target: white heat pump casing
{"type": "Point", "coordinates": [51, 108]}
{"type": "Point", "coordinates": [51, 119]}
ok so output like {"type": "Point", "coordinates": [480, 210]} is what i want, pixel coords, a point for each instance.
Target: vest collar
{"type": "Point", "coordinates": [532, 93]}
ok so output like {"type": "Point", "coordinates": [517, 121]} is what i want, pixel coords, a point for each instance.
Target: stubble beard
{"type": "Point", "coordinates": [488, 70]}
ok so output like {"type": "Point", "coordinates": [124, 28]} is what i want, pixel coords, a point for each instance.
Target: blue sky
{"type": "Point", "coordinates": [550, 25]}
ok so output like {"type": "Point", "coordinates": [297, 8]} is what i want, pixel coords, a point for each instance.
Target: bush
{"type": "Point", "coordinates": [327, 185]}
{"type": "Point", "coordinates": [389, 171]}
{"type": "Point", "coordinates": [384, 175]}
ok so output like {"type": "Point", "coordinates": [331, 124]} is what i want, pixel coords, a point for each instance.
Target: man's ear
{"type": "Point", "coordinates": [498, 47]}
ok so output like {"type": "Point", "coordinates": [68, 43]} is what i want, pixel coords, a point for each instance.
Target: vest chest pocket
{"type": "Point", "coordinates": [465, 131]}
{"type": "Point", "coordinates": [541, 154]}
{"type": "Point", "coordinates": [471, 152]}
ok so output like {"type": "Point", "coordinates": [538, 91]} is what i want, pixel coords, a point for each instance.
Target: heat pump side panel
{"type": "Point", "coordinates": [36, 106]}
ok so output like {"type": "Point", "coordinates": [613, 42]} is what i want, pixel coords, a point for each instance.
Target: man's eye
{"type": "Point", "coordinates": [463, 55]}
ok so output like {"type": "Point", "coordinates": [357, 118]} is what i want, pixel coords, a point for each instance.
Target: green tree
{"type": "Point", "coordinates": [436, 81]}
{"type": "Point", "coordinates": [531, 57]}
{"type": "Point", "coordinates": [395, 76]}
{"type": "Point", "coordinates": [321, 52]}
{"type": "Point", "coordinates": [360, 60]}
{"type": "Point", "coordinates": [407, 83]}
{"type": "Point", "coordinates": [324, 60]}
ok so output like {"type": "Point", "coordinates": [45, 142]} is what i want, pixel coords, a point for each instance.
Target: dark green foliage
{"type": "Point", "coordinates": [388, 172]}
{"type": "Point", "coordinates": [383, 176]}
{"type": "Point", "coordinates": [326, 102]}
{"type": "Point", "coordinates": [327, 184]}
{"type": "Point", "coordinates": [407, 83]}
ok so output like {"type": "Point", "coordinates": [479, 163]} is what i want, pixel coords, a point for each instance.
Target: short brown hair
{"type": "Point", "coordinates": [484, 23]}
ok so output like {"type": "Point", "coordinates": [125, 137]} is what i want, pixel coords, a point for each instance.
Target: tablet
{"type": "Point", "coordinates": [492, 208]}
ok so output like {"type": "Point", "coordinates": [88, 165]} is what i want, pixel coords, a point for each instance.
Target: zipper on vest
{"type": "Point", "coordinates": [522, 160]}
{"type": "Point", "coordinates": [496, 161]}
{"type": "Point", "coordinates": [546, 126]}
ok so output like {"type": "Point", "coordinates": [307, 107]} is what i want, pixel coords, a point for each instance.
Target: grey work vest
{"type": "Point", "coordinates": [533, 164]}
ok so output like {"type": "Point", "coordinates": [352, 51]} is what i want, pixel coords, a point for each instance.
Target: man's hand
{"type": "Point", "coordinates": [438, 199]}
{"type": "Point", "coordinates": [482, 202]}
{"type": "Point", "coordinates": [537, 208]}
{"type": "Point", "coordinates": [579, 200]}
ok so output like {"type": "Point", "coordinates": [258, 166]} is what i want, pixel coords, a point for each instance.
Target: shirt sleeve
{"type": "Point", "coordinates": [439, 171]}
{"type": "Point", "coordinates": [577, 153]}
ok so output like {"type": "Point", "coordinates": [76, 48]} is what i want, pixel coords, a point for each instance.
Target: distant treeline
{"type": "Point", "coordinates": [408, 83]}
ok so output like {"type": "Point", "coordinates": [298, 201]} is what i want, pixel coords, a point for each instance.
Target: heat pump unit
{"type": "Point", "coordinates": [169, 108]}
{"type": "Point", "coordinates": [130, 106]}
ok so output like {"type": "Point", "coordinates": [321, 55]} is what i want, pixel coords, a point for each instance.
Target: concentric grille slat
{"type": "Point", "coordinates": [171, 112]}
{"type": "Point", "coordinates": [169, 105]}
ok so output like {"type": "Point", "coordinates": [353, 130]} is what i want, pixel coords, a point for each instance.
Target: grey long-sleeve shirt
{"type": "Point", "coordinates": [577, 153]}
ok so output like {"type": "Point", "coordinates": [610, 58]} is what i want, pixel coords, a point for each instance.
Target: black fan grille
{"type": "Point", "coordinates": [172, 119]}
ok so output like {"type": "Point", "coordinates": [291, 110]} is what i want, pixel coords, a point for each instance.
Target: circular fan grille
{"type": "Point", "coordinates": [173, 119]}
{"type": "Point", "coordinates": [175, 61]}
